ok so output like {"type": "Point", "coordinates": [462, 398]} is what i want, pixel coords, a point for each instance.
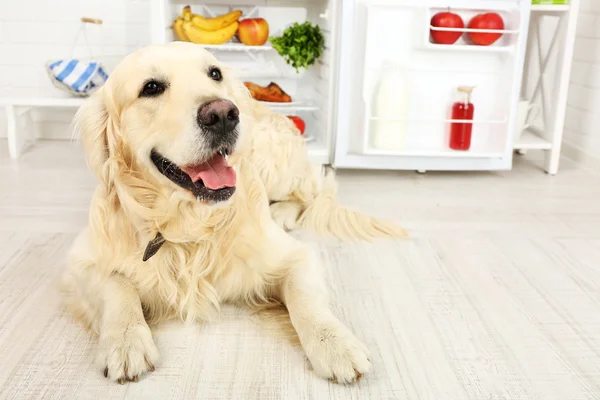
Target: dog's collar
{"type": "Point", "coordinates": [153, 246]}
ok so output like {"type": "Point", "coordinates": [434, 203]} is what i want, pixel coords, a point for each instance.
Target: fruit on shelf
{"type": "Point", "coordinates": [195, 28]}
{"type": "Point", "coordinates": [178, 29]}
{"type": "Point", "coordinates": [299, 122]}
{"type": "Point", "coordinates": [486, 21]}
{"type": "Point", "coordinates": [186, 13]}
{"type": "Point", "coordinates": [200, 36]}
{"type": "Point", "coordinates": [446, 19]}
{"type": "Point", "coordinates": [253, 31]}
{"type": "Point", "coordinates": [271, 93]}
{"type": "Point", "coordinates": [216, 23]}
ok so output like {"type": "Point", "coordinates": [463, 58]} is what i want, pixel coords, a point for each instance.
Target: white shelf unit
{"type": "Point", "coordinates": [546, 78]}
{"type": "Point", "coordinates": [401, 30]}
{"type": "Point", "coordinates": [532, 140]}
{"type": "Point", "coordinates": [312, 90]}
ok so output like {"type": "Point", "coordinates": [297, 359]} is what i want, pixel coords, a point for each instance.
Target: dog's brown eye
{"type": "Point", "coordinates": [152, 88]}
{"type": "Point", "coordinates": [215, 74]}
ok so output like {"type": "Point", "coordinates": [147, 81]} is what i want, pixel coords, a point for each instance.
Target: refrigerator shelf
{"type": "Point", "coordinates": [465, 121]}
{"type": "Point", "coordinates": [470, 30]}
{"type": "Point", "coordinates": [433, 153]}
{"type": "Point", "coordinates": [463, 46]}
{"type": "Point", "coordinates": [469, 48]}
{"type": "Point", "coordinates": [293, 106]}
{"type": "Point", "coordinates": [233, 46]}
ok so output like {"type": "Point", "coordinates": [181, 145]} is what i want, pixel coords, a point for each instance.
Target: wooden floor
{"type": "Point", "coordinates": [495, 296]}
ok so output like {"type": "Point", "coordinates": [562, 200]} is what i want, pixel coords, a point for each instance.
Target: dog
{"type": "Point", "coordinates": [197, 186]}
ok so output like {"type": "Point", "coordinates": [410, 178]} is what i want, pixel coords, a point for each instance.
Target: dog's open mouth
{"type": "Point", "coordinates": [212, 180]}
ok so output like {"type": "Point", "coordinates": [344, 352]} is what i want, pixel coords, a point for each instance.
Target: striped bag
{"type": "Point", "coordinates": [80, 78]}
{"type": "Point", "coordinates": [75, 76]}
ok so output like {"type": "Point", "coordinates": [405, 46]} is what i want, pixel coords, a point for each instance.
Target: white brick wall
{"type": "Point", "coordinates": [582, 125]}
{"type": "Point", "coordinates": [33, 32]}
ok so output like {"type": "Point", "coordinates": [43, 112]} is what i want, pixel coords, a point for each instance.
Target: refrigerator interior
{"type": "Point", "coordinates": [311, 89]}
{"type": "Point", "coordinates": [399, 32]}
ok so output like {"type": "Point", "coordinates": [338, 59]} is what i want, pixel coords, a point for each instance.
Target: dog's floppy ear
{"type": "Point", "coordinates": [91, 124]}
{"type": "Point", "coordinates": [96, 124]}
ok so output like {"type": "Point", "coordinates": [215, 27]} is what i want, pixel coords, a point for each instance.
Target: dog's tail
{"type": "Point", "coordinates": [325, 216]}
{"type": "Point", "coordinates": [322, 214]}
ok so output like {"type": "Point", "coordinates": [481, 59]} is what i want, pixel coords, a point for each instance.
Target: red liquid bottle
{"type": "Point", "coordinates": [460, 132]}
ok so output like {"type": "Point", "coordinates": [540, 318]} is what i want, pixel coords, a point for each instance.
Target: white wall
{"type": "Point", "coordinates": [35, 31]}
{"type": "Point", "coordinates": [582, 125]}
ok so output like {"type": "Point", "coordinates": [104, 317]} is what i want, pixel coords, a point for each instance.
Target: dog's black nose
{"type": "Point", "coordinates": [220, 116]}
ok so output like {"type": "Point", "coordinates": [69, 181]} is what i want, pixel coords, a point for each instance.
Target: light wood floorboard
{"type": "Point", "coordinates": [495, 296]}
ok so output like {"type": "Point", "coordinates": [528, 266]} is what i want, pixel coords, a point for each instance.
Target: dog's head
{"type": "Point", "coordinates": [168, 112]}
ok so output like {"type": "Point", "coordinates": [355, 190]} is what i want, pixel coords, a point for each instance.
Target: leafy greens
{"type": "Point", "coordinates": [300, 45]}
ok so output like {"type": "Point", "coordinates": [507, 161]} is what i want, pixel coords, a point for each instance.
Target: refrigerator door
{"type": "Point", "coordinates": [398, 83]}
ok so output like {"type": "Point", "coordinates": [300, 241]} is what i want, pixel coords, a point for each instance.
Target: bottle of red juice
{"type": "Point", "coordinates": [463, 110]}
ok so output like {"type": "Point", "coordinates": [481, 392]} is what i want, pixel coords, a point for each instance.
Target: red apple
{"type": "Point", "coordinates": [253, 31]}
{"type": "Point", "coordinates": [446, 19]}
{"type": "Point", "coordinates": [298, 122]}
{"type": "Point", "coordinates": [486, 21]}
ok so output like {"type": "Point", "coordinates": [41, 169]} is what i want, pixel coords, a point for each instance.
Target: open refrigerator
{"type": "Point", "coordinates": [312, 90]}
{"type": "Point", "coordinates": [335, 95]}
{"type": "Point", "coordinates": [376, 32]}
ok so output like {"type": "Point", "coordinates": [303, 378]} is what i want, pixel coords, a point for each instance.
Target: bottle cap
{"type": "Point", "coordinates": [466, 89]}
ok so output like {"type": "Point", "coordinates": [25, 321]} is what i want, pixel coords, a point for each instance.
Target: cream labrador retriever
{"type": "Point", "coordinates": [180, 222]}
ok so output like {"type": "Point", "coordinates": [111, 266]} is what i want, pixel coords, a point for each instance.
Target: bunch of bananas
{"type": "Point", "coordinates": [194, 28]}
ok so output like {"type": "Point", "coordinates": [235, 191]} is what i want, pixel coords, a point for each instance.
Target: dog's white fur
{"type": "Point", "coordinates": [230, 252]}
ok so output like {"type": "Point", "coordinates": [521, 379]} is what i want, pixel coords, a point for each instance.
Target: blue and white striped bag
{"type": "Point", "coordinates": [77, 77]}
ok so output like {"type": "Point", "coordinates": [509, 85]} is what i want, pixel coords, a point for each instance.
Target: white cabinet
{"type": "Point", "coordinates": [374, 31]}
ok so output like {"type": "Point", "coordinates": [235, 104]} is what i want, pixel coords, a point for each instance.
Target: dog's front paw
{"type": "Point", "coordinates": [336, 354]}
{"type": "Point", "coordinates": [126, 354]}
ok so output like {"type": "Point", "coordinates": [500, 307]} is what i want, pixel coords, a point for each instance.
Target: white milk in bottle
{"type": "Point", "coordinates": [390, 109]}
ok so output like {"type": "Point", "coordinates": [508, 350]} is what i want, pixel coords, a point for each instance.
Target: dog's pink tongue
{"type": "Point", "coordinates": [215, 173]}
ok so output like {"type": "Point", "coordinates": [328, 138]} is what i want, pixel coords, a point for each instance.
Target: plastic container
{"type": "Point", "coordinates": [461, 132]}
{"type": "Point", "coordinates": [390, 109]}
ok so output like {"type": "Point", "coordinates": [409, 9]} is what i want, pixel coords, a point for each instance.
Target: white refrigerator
{"type": "Point", "coordinates": [339, 96]}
